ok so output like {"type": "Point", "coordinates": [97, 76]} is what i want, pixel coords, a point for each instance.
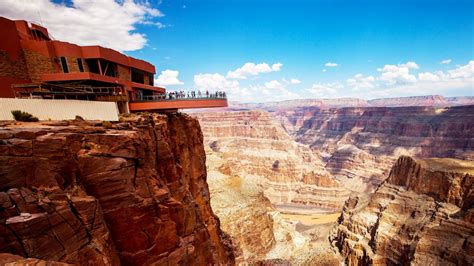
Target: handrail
{"type": "Point", "coordinates": [171, 97]}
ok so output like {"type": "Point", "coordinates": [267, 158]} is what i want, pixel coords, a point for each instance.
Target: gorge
{"type": "Point", "coordinates": [350, 149]}
{"type": "Point", "coordinates": [271, 186]}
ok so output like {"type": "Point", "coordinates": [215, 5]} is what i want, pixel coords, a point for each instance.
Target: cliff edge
{"type": "Point", "coordinates": [133, 192]}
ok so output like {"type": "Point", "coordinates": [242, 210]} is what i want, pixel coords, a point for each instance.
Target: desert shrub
{"type": "Point", "coordinates": [79, 118]}
{"type": "Point", "coordinates": [23, 116]}
{"type": "Point", "coordinates": [275, 165]}
{"type": "Point", "coordinates": [107, 124]}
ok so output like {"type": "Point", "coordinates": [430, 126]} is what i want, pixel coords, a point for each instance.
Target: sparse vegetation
{"type": "Point", "coordinates": [107, 124]}
{"type": "Point", "coordinates": [79, 118]}
{"type": "Point", "coordinates": [24, 116]}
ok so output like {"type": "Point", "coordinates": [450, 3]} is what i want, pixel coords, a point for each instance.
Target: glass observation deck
{"type": "Point", "coordinates": [174, 101]}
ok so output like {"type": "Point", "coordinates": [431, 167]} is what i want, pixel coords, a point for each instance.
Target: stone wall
{"type": "Point", "coordinates": [123, 72]}
{"type": "Point", "coordinates": [39, 64]}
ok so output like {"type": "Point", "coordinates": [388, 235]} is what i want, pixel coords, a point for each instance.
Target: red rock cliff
{"type": "Point", "coordinates": [134, 193]}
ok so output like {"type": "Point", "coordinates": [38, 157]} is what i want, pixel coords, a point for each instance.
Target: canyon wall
{"type": "Point", "coordinates": [256, 172]}
{"type": "Point", "coordinates": [359, 145]}
{"type": "Point", "coordinates": [426, 100]}
{"type": "Point", "coordinates": [253, 145]}
{"type": "Point", "coordinates": [133, 192]}
{"type": "Point", "coordinates": [423, 214]}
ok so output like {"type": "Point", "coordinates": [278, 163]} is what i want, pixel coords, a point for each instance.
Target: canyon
{"type": "Point", "coordinates": [260, 158]}
{"type": "Point", "coordinates": [262, 182]}
{"type": "Point", "coordinates": [273, 184]}
{"type": "Point", "coordinates": [359, 145]}
{"type": "Point", "coordinates": [427, 100]}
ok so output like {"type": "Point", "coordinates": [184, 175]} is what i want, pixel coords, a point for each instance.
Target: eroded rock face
{"type": "Point", "coordinates": [253, 144]}
{"type": "Point", "coordinates": [135, 193]}
{"type": "Point", "coordinates": [422, 214]}
{"type": "Point", "coordinates": [359, 145]}
{"type": "Point", "coordinates": [256, 171]}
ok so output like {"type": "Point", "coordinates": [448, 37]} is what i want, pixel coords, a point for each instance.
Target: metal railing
{"type": "Point", "coordinates": [173, 96]}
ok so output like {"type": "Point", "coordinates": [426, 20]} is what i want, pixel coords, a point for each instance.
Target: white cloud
{"type": "Point", "coordinates": [277, 66]}
{"type": "Point", "coordinates": [392, 80]}
{"type": "Point", "coordinates": [410, 65]}
{"type": "Point", "coordinates": [324, 70]}
{"type": "Point", "coordinates": [330, 64]}
{"type": "Point", "coordinates": [107, 23]}
{"type": "Point", "coordinates": [359, 82]}
{"type": "Point", "coordinates": [167, 78]}
{"type": "Point", "coordinates": [397, 80]}
{"type": "Point", "coordinates": [459, 79]}
{"type": "Point", "coordinates": [398, 74]}
{"type": "Point", "coordinates": [252, 69]}
{"type": "Point", "coordinates": [445, 62]}
{"type": "Point", "coordinates": [295, 81]}
{"type": "Point", "coordinates": [274, 90]}
{"type": "Point", "coordinates": [214, 82]}
{"type": "Point", "coordinates": [462, 72]}
{"type": "Point", "coordinates": [328, 90]}
{"type": "Point", "coordinates": [427, 76]}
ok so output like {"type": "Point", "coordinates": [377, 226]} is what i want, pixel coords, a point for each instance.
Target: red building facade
{"type": "Point", "coordinates": [33, 65]}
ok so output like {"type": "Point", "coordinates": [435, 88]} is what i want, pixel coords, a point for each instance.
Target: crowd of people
{"type": "Point", "coordinates": [189, 95]}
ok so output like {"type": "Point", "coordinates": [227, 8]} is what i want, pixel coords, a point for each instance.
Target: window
{"type": "Point", "coordinates": [92, 66]}
{"type": "Point", "coordinates": [150, 79]}
{"type": "Point", "coordinates": [64, 64]}
{"type": "Point", "coordinates": [137, 76]}
{"type": "Point", "coordinates": [79, 63]}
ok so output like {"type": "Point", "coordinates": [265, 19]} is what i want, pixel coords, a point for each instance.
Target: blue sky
{"type": "Point", "coordinates": [381, 48]}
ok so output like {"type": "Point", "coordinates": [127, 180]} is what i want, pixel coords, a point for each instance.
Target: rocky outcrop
{"type": "Point", "coordinates": [422, 214]}
{"type": "Point", "coordinates": [447, 180]}
{"type": "Point", "coordinates": [133, 192]}
{"type": "Point", "coordinates": [359, 145]}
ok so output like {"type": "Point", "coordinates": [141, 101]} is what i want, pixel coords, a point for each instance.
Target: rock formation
{"type": "Point", "coordinates": [257, 171]}
{"type": "Point", "coordinates": [253, 145]}
{"type": "Point", "coordinates": [133, 192]}
{"type": "Point", "coordinates": [359, 145]}
{"type": "Point", "coordinates": [422, 214]}
{"type": "Point", "coordinates": [427, 100]}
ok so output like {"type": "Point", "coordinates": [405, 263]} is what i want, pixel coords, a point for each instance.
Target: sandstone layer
{"type": "Point", "coordinates": [359, 145]}
{"type": "Point", "coordinates": [253, 145]}
{"type": "Point", "coordinates": [256, 173]}
{"type": "Point", "coordinates": [133, 192]}
{"type": "Point", "coordinates": [427, 100]}
{"type": "Point", "coordinates": [423, 214]}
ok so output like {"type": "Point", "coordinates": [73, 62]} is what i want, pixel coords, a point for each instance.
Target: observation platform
{"type": "Point", "coordinates": [154, 104]}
